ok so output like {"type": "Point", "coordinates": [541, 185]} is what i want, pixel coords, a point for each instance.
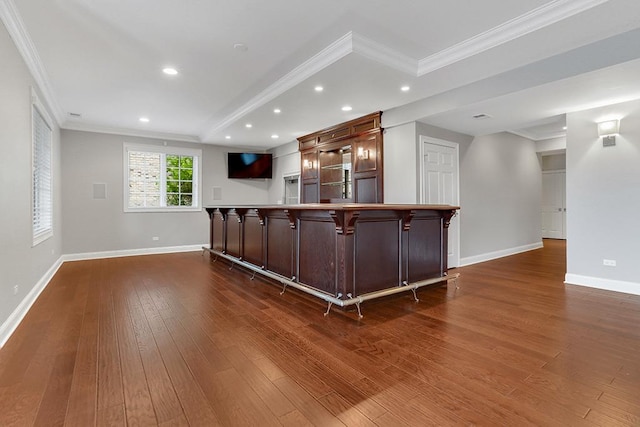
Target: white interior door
{"type": "Point", "coordinates": [439, 185]}
{"type": "Point", "coordinates": [554, 210]}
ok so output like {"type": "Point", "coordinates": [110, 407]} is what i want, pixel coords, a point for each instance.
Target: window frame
{"type": "Point", "coordinates": [164, 151]}
{"type": "Point", "coordinates": [42, 233]}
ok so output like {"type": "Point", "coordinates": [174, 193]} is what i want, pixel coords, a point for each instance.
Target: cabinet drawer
{"type": "Point", "coordinates": [337, 133]}
{"type": "Point", "coordinates": [365, 126]}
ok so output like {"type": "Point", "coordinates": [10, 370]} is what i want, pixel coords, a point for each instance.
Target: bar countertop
{"type": "Point", "coordinates": [341, 206]}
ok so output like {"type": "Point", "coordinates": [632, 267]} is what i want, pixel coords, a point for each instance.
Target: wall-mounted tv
{"type": "Point", "coordinates": [249, 165]}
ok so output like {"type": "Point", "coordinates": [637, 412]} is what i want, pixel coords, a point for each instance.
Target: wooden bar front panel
{"type": "Point", "coordinates": [424, 255]}
{"type": "Point", "coordinates": [341, 250]}
{"type": "Point", "coordinates": [253, 239]}
{"type": "Point", "coordinates": [279, 256]}
{"type": "Point", "coordinates": [377, 254]}
{"type": "Point", "coordinates": [317, 254]}
{"type": "Point", "coordinates": [217, 231]}
{"type": "Point", "coordinates": [233, 234]}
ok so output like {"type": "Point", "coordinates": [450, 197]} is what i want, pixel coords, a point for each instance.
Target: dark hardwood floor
{"type": "Point", "coordinates": [177, 340]}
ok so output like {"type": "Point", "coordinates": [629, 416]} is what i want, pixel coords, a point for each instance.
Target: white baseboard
{"type": "Point", "coordinates": [498, 254]}
{"type": "Point", "coordinates": [606, 284]}
{"type": "Point", "coordinates": [132, 252]}
{"type": "Point", "coordinates": [12, 322]}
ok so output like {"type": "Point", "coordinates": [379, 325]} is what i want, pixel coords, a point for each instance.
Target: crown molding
{"type": "Point", "coordinates": [529, 22]}
{"type": "Point", "coordinates": [345, 45]}
{"type": "Point", "coordinates": [87, 127]}
{"type": "Point", "coordinates": [385, 55]}
{"type": "Point", "coordinates": [327, 56]}
{"type": "Point", "coordinates": [533, 137]}
{"type": "Point", "coordinates": [534, 20]}
{"type": "Point", "coordinates": [12, 21]}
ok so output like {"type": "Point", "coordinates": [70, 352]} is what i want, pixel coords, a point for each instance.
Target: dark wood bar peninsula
{"type": "Point", "coordinates": [344, 254]}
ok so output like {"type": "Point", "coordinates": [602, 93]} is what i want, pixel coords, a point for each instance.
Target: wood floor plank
{"type": "Point", "coordinates": [224, 389]}
{"type": "Point", "coordinates": [191, 397]}
{"type": "Point", "coordinates": [177, 340]}
{"type": "Point", "coordinates": [138, 404]}
{"type": "Point", "coordinates": [81, 409]}
{"type": "Point", "coordinates": [306, 404]}
{"type": "Point", "coordinates": [263, 387]}
{"type": "Point", "coordinates": [109, 375]}
{"type": "Point", "coordinates": [295, 419]}
{"type": "Point", "coordinates": [111, 416]}
{"type": "Point", "coordinates": [53, 407]}
{"type": "Point", "coordinates": [163, 395]}
{"type": "Point", "coordinates": [342, 409]}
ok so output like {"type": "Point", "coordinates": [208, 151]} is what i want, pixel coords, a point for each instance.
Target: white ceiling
{"type": "Point", "coordinates": [524, 63]}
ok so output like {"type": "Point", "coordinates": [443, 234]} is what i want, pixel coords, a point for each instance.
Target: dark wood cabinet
{"type": "Point", "coordinates": [343, 164]}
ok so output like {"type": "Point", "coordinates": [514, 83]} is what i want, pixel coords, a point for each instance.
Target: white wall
{"type": "Point", "coordinates": [400, 164]}
{"type": "Point", "coordinates": [500, 187]}
{"type": "Point", "coordinates": [551, 146]}
{"type": "Point", "coordinates": [21, 264]}
{"type": "Point", "coordinates": [286, 161]}
{"type": "Point", "coordinates": [102, 225]}
{"type": "Point", "coordinates": [603, 200]}
{"type": "Point", "coordinates": [500, 192]}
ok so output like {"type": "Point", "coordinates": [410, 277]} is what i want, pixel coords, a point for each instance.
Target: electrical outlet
{"type": "Point", "coordinates": [155, 238]}
{"type": "Point", "coordinates": [15, 289]}
{"type": "Point", "coordinates": [609, 262]}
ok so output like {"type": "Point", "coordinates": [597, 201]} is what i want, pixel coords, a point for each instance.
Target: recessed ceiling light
{"type": "Point", "coordinates": [227, 137]}
{"type": "Point", "coordinates": [564, 128]}
{"type": "Point", "coordinates": [347, 108]}
{"type": "Point", "coordinates": [241, 47]}
{"type": "Point", "coordinates": [277, 111]}
{"type": "Point", "coordinates": [274, 136]}
{"type": "Point", "coordinates": [318, 88]}
{"type": "Point", "coordinates": [248, 125]}
{"type": "Point", "coordinates": [405, 88]}
{"type": "Point", "coordinates": [170, 71]}
{"type": "Point", "coordinates": [144, 119]}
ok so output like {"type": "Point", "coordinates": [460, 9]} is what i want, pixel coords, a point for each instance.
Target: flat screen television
{"type": "Point", "coordinates": [249, 165]}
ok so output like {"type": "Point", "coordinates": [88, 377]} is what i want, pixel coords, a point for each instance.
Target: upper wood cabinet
{"type": "Point", "coordinates": [343, 163]}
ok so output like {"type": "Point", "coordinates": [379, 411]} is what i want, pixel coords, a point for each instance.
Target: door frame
{"type": "Point", "coordinates": [290, 175]}
{"type": "Point", "coordinates": [421, 175]}
{"type": "Point", "coordinates": [564, 202]}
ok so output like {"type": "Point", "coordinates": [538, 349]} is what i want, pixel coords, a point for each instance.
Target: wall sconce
{"type": "Point", "coordinates": [608, 131]}
{"type": "Point", "coordinates": [307, 164]}
{"type": "Point", "coordinates": [362, 153]}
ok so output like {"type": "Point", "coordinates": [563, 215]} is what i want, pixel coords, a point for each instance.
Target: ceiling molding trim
{"type": "Point", "coordinates": [534, 137]}
{"type": "Point", "coordinates": [529, 22]}
{"type": "Point", "coordinates": [384, 55]}
{"type": "Point", "coordinates": [327, 56]}
{"type": "Point", "coordinates": [85, 127]}
{"type": "Point", "coordinates": [18, 32]}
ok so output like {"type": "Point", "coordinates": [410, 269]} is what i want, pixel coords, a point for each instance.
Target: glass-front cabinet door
{"type": "Point", "coordinates": [335, 175]}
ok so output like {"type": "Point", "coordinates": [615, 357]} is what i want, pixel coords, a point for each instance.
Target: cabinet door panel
{"type": "Point", "coordinates": [310, 193]}
{"type": "Point", "coordinates": [366, 190]}
{"type": "Point", "coordinates": [366, 153]}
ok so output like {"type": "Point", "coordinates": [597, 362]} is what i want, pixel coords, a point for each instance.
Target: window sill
{"type": "Point", "coordinates": [161, 210]}
{"type": "Point", "coordinates": [41, 238]}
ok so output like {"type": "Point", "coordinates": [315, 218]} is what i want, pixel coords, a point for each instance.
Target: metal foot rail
{"type": "Point", "coordinates": [331, 300]}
